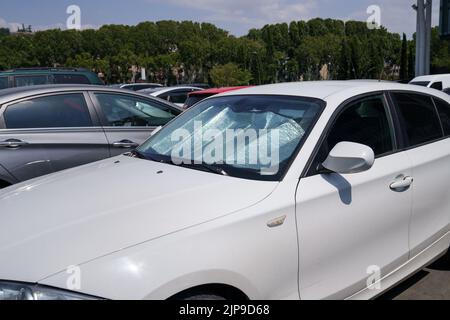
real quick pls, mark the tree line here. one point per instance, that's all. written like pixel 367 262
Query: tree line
pixel 188 52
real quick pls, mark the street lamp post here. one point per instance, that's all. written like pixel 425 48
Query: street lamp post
pixel 423 36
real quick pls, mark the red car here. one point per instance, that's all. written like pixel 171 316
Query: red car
pixel 198 96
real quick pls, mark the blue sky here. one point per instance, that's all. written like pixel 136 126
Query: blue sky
pixel 236 16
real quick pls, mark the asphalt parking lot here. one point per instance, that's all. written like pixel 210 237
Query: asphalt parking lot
pixel 432 283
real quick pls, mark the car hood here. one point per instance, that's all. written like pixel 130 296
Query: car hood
pixel 75 216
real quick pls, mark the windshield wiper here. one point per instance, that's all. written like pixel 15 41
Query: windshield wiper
pixel 135 154
pixel 141 155
pixel 211 168
pixel 204 166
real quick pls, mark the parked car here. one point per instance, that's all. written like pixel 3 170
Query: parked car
pixel 177 95
pixel 137 86
pixel 44 129
pixel 40 76
pixel 197 85
pixel 438 81
pixel 197 96
pixel 360 201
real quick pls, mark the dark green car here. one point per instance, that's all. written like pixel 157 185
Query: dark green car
pixel 40 76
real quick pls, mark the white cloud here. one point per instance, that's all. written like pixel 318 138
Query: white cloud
pixel 12 26
pixel 398 15
pixel 250 12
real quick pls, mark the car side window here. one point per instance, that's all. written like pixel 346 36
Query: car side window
pixel 437 85
pixel 419 118
pixel 24 81
pixel 58 111
pixel 164 96
pixel 70 79
pixel 3 83
pixel 444 113
pixel 179 97
pixel 127 111
pixel 364 121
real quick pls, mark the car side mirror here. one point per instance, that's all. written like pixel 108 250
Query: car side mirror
pixel 156 131
pixel 349 157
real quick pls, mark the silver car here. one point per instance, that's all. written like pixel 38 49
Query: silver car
pixel 45 129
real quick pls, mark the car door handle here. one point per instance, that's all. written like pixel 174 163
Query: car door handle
pixel 125 144
pixel 13 143
pixel 402 183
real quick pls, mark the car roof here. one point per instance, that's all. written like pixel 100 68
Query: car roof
pixel 217 90
pixel 151 90
pixel 7 95
pixel 159 91
pixel 140 85
pixel 26 71
pixel 431 78
pixel 326 90
pixel 197 85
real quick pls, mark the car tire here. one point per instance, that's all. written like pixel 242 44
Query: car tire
pixel 4 184
pixel 204 297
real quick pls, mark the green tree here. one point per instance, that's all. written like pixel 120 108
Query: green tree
pixel 440 53
pixel 4 32
pixel 411 62
pixel 229 75
pixel 185 52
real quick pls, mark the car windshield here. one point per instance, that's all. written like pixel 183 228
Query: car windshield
pixel 420 83
pixel 251 137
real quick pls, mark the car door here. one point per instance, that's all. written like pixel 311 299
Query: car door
pixel 129 120
pixel 428 149
pixel 354 224
pixel 48 133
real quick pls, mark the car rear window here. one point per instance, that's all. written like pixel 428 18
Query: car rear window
pixel 437 85
pixel 70 79
pixel 179 97
pixel 420 83
pixel 58 111
pixel 195 99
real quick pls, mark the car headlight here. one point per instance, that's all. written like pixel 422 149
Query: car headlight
pixel 24 291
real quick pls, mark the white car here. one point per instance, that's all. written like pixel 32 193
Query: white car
pixel 355 198
pixel 439 82
pixel 177 95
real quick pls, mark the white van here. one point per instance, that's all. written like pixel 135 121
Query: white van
pixel 438 81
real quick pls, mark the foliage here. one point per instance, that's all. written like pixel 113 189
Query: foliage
pixel 188 52
pixel 440 53
pixel 4 32
pixel 229 75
